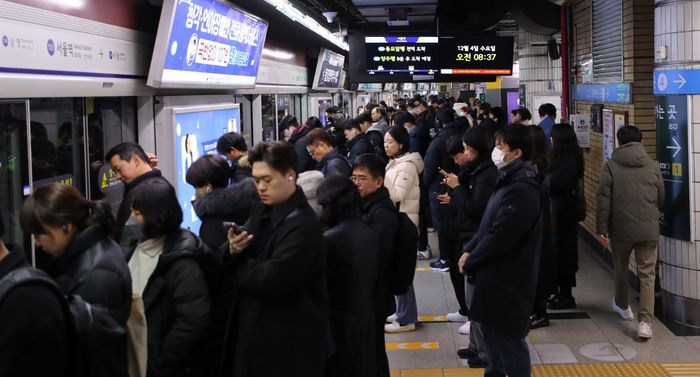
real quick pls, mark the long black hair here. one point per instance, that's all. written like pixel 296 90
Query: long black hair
pixel 565 145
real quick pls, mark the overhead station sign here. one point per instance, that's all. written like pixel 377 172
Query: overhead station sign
pixel 426 55
pixel 676 81
pixel 402 54
pixel 206 43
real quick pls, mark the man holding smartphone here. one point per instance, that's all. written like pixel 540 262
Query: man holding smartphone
pixel 277 268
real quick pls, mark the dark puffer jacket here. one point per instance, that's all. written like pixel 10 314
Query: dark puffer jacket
pixel 357 146
pixel 477 182
pixel 504 254
pixel 132 231
pixel 93 268
pixel 334 163
pixel 232 203
pixel 177 304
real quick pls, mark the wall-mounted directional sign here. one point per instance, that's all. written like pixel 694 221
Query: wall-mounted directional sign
pixel 672 154
pixel 676 81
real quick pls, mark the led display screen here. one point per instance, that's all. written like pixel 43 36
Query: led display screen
pixel 206 43
pixel 476 55
pixel 402 54
pixel 328 70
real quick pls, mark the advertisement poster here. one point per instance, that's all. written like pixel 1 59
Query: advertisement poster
pixel 672 154
pixel 583 130
pixel 323 105
pixel 328 70
pixel 197 131
pixel 211 43
pixel 608 135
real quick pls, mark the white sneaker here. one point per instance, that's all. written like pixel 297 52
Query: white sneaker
pixel 396 327
pixel 624 313
pixel 392 318
pixel 465 328
pixel 456 317
pixel 644 330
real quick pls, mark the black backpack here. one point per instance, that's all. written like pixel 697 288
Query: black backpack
pixel 89 327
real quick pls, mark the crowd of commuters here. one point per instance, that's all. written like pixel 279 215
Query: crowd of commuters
pixel 293 271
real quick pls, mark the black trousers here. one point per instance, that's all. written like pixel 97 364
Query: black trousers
pixel 455 276
pixel 423 218
pixel 566 250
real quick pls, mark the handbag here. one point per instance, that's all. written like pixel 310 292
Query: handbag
pixel 137 331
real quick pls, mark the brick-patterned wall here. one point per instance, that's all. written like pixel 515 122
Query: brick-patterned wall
pixel 638 47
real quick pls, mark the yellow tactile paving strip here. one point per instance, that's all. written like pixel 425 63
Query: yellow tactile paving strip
pixel 572 370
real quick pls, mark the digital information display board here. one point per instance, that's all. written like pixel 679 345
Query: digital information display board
pixel 477 55
pixel 205 43
pixel 403 54
pixel 197 129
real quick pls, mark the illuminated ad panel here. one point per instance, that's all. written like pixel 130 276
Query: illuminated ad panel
pixel 402 54
pixel 205 43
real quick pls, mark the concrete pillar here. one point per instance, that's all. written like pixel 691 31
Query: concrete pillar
pixel 677 46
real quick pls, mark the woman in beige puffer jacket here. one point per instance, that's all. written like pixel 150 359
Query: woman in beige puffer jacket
pixel 401 179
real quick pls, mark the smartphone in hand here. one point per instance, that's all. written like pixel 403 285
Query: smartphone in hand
pixel 237 229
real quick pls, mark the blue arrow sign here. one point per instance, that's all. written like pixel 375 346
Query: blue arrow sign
pixel 676 81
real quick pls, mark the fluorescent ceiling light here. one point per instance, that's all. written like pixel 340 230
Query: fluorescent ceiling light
pixel 277 54
pixel 75 4
pixel 295 14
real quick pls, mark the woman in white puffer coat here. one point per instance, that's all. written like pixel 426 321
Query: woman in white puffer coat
pixel 402 181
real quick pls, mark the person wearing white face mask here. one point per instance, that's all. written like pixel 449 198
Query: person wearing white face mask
pixel 503 256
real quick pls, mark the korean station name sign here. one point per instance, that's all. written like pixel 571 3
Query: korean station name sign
pixel 472 55
pixel 206 43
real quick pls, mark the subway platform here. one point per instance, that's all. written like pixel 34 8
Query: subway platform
pixel 590 340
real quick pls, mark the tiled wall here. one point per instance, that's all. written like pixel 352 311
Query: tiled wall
pixel 536 69
pixel 638 51
pixel 677 27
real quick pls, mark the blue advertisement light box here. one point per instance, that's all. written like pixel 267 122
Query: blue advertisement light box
pixel 206 43
pixel 197 129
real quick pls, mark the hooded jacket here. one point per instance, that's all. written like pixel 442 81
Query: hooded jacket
pixel 375 134
pixel 630 194
pixel 224 204
pixel 504 255
pixel 177 305
pixel 402 181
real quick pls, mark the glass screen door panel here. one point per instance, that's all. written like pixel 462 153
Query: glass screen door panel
pixel 14 168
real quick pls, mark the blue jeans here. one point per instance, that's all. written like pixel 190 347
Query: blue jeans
pixel 507 354
pixel 406 307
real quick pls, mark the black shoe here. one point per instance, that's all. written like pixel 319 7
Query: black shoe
pixel 561 303
pixel 476 362
pixel 552 298
pixel 537 321
pixel 466 353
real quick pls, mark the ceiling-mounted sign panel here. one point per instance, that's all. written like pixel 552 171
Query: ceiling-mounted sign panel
pixel 206 43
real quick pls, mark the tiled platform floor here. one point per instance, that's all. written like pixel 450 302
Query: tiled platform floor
pixel 569 347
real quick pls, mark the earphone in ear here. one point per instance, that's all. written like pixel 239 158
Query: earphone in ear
pixel 289 178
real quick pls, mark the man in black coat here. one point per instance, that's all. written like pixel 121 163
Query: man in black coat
pixel 374 133
pixel 33 323
pixel 278 268
pixel 329 160
pixel 504 257
pixel 358 143
pixel 233 146
pixel 132 166
pixel 379 213
pixel 295 134
pixel 438 158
